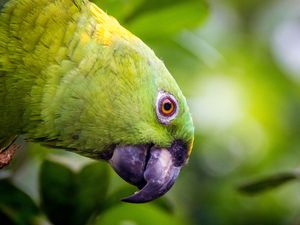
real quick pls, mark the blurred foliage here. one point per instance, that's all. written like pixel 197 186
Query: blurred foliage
pixel 73 198
pixel 238 63
pixel 156 19
pixel 16 207
pixel 270 182
pixel 77 198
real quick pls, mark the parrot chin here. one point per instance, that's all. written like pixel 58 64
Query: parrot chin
pixel 152 169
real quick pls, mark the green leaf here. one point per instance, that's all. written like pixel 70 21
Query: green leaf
pixel 58 191
pixel 70 198
pixel 268 183
pixel 16 207
pixel 168 19
pixel 93 182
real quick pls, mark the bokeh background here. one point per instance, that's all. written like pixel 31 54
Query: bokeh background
pixel 238 63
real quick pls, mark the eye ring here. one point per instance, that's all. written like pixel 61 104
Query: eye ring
pixel 166 107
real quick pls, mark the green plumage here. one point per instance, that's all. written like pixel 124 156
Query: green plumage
pixel 72 77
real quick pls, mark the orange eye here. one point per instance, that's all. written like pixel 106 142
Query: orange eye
pixel 167 107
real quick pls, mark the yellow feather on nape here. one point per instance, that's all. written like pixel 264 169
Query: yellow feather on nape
pixel 108 27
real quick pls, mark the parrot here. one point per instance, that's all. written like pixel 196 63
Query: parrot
pixel 72 77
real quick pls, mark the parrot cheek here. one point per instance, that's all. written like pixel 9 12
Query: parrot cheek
pixel 152 169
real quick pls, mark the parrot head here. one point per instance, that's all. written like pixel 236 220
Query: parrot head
pixel 132 112
pixel 150 124
pixel 102 93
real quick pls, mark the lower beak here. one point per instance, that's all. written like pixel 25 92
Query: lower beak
pixel 153 170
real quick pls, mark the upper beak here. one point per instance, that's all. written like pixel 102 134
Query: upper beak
pixel 151 169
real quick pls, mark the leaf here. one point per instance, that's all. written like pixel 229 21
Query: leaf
pixel 70 198
pixel 57 189
pixel 16 207
pixel 268 183
pixel 93 182
pixel 168 20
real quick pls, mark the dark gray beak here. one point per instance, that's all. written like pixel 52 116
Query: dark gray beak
pixel 153 170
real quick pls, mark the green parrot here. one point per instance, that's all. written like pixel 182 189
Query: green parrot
pixel 72 77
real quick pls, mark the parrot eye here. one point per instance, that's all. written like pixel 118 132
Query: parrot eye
pixel 166 107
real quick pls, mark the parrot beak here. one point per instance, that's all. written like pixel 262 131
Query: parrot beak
pixel 153 170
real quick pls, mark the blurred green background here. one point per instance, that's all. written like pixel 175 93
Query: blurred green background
pixel 238 63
